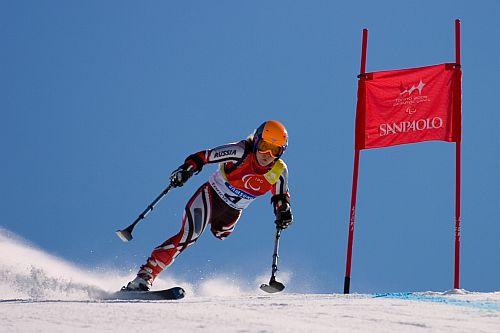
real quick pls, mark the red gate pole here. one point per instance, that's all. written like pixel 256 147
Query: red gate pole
pixel 355 172
pixel 458 154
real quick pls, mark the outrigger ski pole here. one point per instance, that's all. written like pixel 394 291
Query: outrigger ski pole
pixel 274 286
pixel 126 234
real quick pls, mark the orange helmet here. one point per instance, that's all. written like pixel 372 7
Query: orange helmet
pixel 271 136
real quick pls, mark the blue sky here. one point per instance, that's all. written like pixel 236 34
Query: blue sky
pixel 101 100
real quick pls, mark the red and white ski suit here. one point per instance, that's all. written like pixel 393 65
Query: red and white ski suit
pixel 219 202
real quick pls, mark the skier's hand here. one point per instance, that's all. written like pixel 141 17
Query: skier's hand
pixel 181 175
pixel 283 216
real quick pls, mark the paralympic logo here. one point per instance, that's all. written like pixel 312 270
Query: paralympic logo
pixel 409 90
pixel 247 179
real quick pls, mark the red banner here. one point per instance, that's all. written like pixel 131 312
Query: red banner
pixel 410 105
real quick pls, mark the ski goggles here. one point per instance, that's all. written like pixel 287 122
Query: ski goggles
pixel 265 147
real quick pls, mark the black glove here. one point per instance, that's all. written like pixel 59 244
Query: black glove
pixel 181 175
pixel 283 216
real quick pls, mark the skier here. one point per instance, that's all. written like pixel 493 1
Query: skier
pixel 247 169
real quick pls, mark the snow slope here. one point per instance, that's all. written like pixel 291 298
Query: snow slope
pixel 42 293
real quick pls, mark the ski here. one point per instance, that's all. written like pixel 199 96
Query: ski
pixel 174 293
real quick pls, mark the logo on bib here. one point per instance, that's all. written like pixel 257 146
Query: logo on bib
pixel 252 183
pixel 239 192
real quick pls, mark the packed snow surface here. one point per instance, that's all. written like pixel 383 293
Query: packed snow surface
pixel 42 293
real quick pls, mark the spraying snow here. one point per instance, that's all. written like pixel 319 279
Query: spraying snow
pixel 42 293
pixel 27 272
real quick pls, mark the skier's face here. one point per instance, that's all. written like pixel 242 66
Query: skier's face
pixel 264 159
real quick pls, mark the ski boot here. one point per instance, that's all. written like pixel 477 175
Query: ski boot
pixel 142 282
